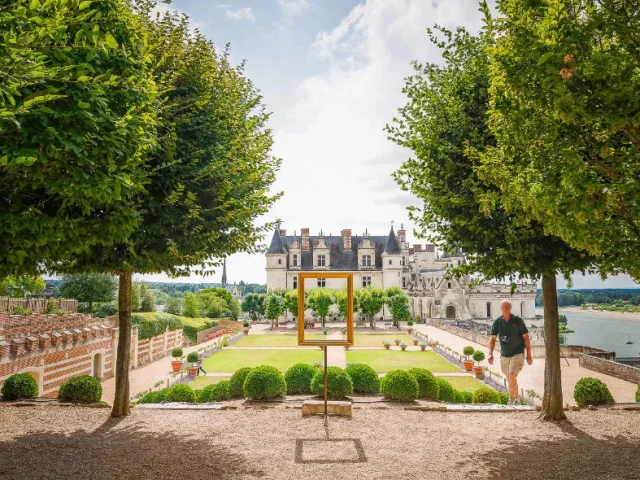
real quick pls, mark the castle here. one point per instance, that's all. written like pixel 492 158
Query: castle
pixel 387 260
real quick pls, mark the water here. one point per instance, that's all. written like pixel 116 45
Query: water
pixel 602 331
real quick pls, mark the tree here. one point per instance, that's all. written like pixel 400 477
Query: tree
pixel 208 179
pixel 290 302
pixel 445 124
pixel 370 302
pixel 252 304
pixel 76 118
pixel 225 305
pixel 147 298
pixel 192 307
pixel 273 307
pixel 89 287
pixel 173 306
pixel 21 285
pixel 564 89
pixel 398 303
pixel 320 301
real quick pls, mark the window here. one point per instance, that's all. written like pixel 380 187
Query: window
pixel 322 260
pixel 366 281
pixel 390 262
pixel 322 282
pixel 295 260
pixel 449 285
pixel 488 309
pixel 295 282
pixel 279 261
pixel 366 260
pixel 404 282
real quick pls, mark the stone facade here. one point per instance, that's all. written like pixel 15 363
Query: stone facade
pixel 388 260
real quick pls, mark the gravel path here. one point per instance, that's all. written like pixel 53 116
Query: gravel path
pixel 50 442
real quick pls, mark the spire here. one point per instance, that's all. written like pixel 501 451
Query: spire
pixel 276 243
pixel 224 273
pixel 392 246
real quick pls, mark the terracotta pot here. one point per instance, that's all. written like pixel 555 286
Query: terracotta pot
pixel 397 343
pixel 176 365
pixel 387 347
pixel 410 330
pixel 193 371
pixel 246 331
pixel 423 348
pixel 403 348
pixel 468 365
pixel 415 343
pixel 346 347
pixel 479 371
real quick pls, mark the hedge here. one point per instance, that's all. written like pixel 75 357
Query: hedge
pixel 591 391
pixel 445 391
pixel 467 397
pixel 298 378
pixel 163 395
pixel 151 397
pixel 365 379
pixel 82 389
pixel 638 394
pixel 263 383
pixel 486 395
pixel 190 330
pixel 428 386
pixel 339 383
pixel 399 385
pixel 181 393
pixel 236 382
pixel 504 398
pixel 216 392
pixel 19 385
pixel 153 324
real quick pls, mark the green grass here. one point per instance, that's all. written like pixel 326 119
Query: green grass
pixel 464 384
pixel 375 340
pixel 228 361
pixel 274 340
pixel 384 360
pixel 196 322
pixel 201 382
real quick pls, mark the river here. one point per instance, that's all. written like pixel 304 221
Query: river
pixel 602 331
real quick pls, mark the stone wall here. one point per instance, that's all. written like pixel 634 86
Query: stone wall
pixel 609 367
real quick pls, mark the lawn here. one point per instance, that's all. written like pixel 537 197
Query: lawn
pixel 375 339
pixel 384 360
pixel 273 340
pixel 228 361
pixel 464 384
pixel 202 381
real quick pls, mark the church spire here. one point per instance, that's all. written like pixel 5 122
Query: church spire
pixel 224 273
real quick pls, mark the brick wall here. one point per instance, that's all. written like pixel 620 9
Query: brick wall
pixel 152 349
pixel 609 367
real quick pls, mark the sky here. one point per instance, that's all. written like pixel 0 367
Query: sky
pixel 331 72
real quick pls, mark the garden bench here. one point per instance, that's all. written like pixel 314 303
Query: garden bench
pixel 361 323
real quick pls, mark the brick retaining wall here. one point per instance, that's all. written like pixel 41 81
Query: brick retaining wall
pixel 609 367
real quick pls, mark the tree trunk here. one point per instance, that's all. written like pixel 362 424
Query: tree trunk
pixel 552 408
pixel 121 400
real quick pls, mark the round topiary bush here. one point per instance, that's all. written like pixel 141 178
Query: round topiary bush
pixel 503 398
pixel 193 357
pixel 468 351
pixel 198 394
pixel 445 391
pixel 151 397
pixel 478 356
pixel 364 378
pixel 298 378
pixel 467 397
pixel 82 389
pixel 236 382
pixel 486 395
pixel 177 353
pixel 263 383
pixel 181 393
pixel 399 385
pixel 638 394
pixel 339 383
pixel 217 392
pixel 428 387
pixel 591 391
pixel 19 385
pixel 458 396
pixel 162 395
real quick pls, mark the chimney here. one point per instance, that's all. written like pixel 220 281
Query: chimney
pixel 346 238
pixel 304 232
pixel 283 232
pixel 417 247
pixel 402 234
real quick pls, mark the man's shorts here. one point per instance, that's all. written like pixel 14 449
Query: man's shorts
pixel 512 364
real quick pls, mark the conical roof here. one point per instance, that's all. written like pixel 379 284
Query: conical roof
pixel 276 243
pixel 392 246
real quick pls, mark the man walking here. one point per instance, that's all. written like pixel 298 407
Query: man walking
pixel 514 339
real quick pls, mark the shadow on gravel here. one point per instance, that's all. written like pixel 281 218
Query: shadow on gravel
pixel 579 457
pixel 114 452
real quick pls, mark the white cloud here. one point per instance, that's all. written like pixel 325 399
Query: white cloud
pixel 294 8
pixel 244 13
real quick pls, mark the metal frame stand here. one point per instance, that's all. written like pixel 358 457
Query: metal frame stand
pixel 326 415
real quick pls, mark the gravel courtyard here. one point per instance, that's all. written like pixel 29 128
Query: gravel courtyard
pixel 275 442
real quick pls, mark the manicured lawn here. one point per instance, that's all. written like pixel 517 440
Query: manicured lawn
pixel 375 340
pixel 197 322
pixel 228 361
pixel 464 384
pixel 384 360
pixel 201 382
pixel 274 340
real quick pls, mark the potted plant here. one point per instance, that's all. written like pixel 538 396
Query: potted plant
pixel 343 330
pixel 246 326
pixel 403 346
pixel 397 342
pixel 410 325
pixel 467 352
pixel 423 346
pixel 176 363
pixel 387 345
pixel 346 347
pixel 193 358
pixel 415 342
pixel 325 330
pixel 478 356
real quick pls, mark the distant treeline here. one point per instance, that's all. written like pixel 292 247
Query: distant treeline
pixel 180 289
pixel 567 298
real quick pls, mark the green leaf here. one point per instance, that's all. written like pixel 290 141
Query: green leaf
pixel 111 41
pixel 84 105
pixel 84 5
pixel 34 4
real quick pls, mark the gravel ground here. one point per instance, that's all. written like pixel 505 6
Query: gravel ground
pixel 275 442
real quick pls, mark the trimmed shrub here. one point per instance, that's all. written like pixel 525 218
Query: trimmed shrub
pixel 181 393
pixel 339 383
pixel 163 395
pixel 399 385
pixel 103 310
pixel 264 382
pixel 428 387
pixel 153 324
pixel 198 394
pixel 638 394
pixel 591 391
pixel 193 357
pixel 19 385
pixel 364 378
pixel 217 392
pixel 298 378
pixel 478 356
pixel 467 397
pixel 503 398
pixel 82 389
pixel 151 397
pixel 486 395
pixel 445 391
pixel 468 351
pixel 458 396
pixel 177 353
pixel 236 382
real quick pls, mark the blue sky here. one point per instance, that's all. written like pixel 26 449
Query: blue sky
pixel 331 72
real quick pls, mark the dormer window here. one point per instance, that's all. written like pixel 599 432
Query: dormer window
pixel 390 262
pixel 295 260
pixel 322 260
pixel 449 285
pixel 366 260
pixel 279 261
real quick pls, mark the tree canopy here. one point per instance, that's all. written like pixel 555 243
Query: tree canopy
pixel 89 287
pixel 21 285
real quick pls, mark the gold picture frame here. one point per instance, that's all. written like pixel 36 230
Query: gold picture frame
pixel 301 308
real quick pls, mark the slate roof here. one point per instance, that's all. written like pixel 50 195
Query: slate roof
pixel 276 243
pixel 392 246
